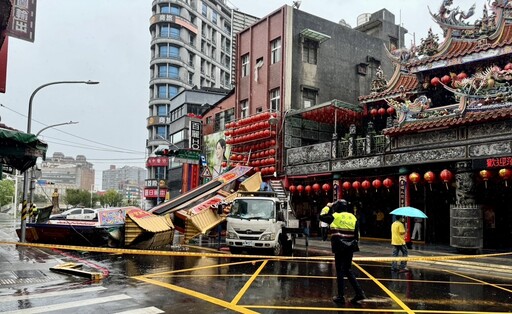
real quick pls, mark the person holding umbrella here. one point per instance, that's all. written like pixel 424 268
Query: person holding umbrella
pixel 398 243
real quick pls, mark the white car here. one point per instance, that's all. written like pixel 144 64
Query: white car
pixel 77 214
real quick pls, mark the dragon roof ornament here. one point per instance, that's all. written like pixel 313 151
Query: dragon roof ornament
pixel 379 83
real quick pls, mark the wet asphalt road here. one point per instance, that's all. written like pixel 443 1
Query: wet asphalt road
pixel 184 284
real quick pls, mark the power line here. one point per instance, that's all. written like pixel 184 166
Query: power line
pixel 118 149
pixel 64 142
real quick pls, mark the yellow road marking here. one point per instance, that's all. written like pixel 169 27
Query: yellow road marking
pixel 242 291
pixel 196 294
pixel 478 280
pixel 172 272
pixel 325 309
pixel 388 292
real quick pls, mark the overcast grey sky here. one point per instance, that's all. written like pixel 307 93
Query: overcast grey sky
pixel 108 41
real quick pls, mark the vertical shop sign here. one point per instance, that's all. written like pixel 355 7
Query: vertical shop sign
pixel 195 134
pixel 23 20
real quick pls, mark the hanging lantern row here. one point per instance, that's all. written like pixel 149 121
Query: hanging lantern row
pixel 445 175
pixel 366 184
pixel 261 117
pixel 234 140
pixel 255 147
pixel 308 188
pixel 504 174
pixel 374 112
pixel 452 79
pixel 328 114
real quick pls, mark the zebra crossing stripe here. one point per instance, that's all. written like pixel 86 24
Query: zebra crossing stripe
pixel 68 305
pixel 145 310
pixel 10 298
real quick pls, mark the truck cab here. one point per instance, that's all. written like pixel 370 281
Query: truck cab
pixel 260 221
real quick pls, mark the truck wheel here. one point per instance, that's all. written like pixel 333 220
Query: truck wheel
pixel 278 249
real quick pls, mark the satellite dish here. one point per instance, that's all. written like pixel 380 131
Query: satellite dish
pixel 296 4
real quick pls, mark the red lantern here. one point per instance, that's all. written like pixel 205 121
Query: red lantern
pixel 292 189
pixel 316 187
pixel 388 183
pixel 356 185
pixel 381 112
pixel 376 184
pixel 414 178
pixel 446 176
pixel 300 188
pixel 390 111
pixel 486 175
pixel 429 176
pixel 461 76
pixel 326 187
pixel 366 185
pixel 308 188
pixel 346 185
pixel 446 79
pixel 374 112
pixel 435 81
pixel 505 174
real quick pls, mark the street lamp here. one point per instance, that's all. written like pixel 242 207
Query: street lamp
pixel 29 129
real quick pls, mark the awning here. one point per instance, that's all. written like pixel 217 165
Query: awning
pixel 330 112
pixel 314 35
pixel 20 150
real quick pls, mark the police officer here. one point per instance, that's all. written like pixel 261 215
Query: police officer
pixel 344 241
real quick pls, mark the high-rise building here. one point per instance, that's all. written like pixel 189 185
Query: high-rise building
pixel 191 46
pixel 116 179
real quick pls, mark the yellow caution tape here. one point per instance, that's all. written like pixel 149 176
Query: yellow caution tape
pixel 227 255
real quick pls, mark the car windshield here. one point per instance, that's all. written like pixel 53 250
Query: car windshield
pixel 253 209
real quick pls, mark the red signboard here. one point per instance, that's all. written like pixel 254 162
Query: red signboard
pixel 493 162
pixel 23 20
pixel 153 193
pixel 157 162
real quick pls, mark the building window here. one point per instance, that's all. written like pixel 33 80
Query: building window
pixel 230 115
pixel 214 17
pixel 162 110
pixel 276 50
pixel 309 51
pixel 309 97
pixel 164 31
pixel 161 131
pixel 244 108
pixel 175 10
pixel 167 91
pixel 220 121
pixel 177 137
pixel 205 9
pixel 173 91
pixel 165 9
pixel 208 120
pixel 174 52
pixel 275 99
pixel 245 65
pixel 175 32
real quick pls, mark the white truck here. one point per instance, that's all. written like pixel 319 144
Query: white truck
pixel 261 221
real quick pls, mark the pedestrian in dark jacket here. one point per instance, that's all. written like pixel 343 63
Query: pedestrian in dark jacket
pixel 344 242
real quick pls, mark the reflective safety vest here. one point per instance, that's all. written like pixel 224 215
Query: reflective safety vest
pixel 344 223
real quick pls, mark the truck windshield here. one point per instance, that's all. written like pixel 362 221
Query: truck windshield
pixel 253 209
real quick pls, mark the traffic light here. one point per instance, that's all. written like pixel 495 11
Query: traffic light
pixel 165 152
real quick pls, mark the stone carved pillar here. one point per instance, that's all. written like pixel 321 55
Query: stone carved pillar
pixel 352 141
pixel 370 138
pixel 334 146
pixel 466 221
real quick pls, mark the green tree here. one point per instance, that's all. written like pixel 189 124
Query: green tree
pixel 6 192
pixel 111 198
pixel 76 197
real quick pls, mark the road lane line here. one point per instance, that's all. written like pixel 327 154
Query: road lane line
pixel 172 272
pixel 10 298
pixel 68 305
pixel 145 310
pixel 477 280
pixel 242 291
pixel 388 292
pixel 195 294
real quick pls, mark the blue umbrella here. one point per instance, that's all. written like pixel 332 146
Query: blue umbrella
pixel 409 212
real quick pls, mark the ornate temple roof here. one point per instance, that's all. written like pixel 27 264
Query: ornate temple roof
pixel 470 117
pixel 399 84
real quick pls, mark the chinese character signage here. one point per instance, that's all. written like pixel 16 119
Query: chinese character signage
pixel 195 134
pixel 157 162
pixel 493 162
pixel 23 20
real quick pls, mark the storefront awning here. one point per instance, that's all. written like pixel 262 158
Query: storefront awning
pixel 331 112
pixel 20 150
